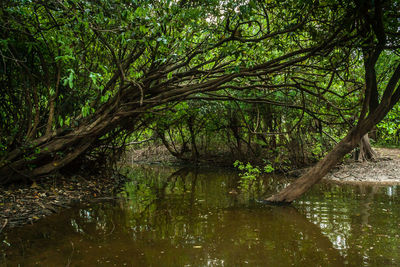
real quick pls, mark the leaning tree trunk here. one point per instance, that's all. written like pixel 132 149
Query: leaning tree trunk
pixel 316 173
pixel 348 143
pixel 55 151
pixel 377 112
pixel 352 139
pixel 50 153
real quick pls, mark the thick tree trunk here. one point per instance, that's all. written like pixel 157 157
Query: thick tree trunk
pixel 366 151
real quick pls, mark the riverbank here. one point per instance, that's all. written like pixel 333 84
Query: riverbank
pixel 384 170
pixel 26 203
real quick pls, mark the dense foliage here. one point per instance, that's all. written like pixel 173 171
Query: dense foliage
pixel 268 78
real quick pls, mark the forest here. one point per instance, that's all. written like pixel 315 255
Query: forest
pixel 199 133
pixel 287 83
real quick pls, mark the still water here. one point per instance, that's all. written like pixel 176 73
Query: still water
pixel 189 217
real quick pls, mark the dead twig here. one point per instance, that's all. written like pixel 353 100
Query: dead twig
pixel 4 225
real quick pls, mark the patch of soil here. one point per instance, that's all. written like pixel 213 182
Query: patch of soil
pixel 149 154
pixel 26 203
pixel 384 170
pixel 158 154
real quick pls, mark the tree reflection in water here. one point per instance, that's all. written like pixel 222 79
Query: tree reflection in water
pixel 187 217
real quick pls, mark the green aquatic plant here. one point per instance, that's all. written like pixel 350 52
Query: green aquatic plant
pixel 249 173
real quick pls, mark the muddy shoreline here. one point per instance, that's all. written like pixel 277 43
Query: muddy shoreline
pixel 385 170
pixel 25 203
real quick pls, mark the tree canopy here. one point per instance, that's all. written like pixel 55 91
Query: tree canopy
pixel 77 76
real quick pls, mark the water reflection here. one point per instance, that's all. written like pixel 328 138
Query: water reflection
pixel 187 217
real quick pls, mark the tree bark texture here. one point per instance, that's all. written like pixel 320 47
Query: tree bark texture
pixel 366 151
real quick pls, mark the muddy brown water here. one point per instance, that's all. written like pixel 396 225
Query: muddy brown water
pixel 188 217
